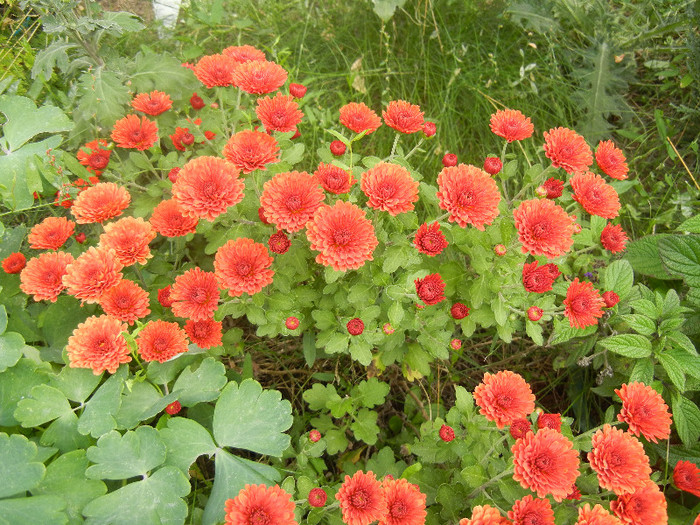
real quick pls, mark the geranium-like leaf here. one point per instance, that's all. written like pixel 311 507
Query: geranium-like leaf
pixel 76 383
pixel 98 417
pixel 18 470
pixel 25 121
pixel 201 384
pixel 47 510
pixel 185 441
pixel 44 404
pixel 120 457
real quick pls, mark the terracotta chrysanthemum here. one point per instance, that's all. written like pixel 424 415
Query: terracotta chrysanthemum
pixel 153 103
pixel 343 235
pixel 334 179
pixel 539 279
pixel 99 344
pixel 611 160
pixel 686 476
pixel 100 203
pixel 485 515
pixel 125 301
pixel 504 397
pixel 553 187
pixel 205 333
pixel 619 460
pixel 279 113
pixel 568 150
pixel 430 289
pixel 260 505
pixel 644 410
pixel 169 220
pixel 42 277
pixel 129 238
pixel 358 117
pixel 51 233
pixel 279 242
pixel 215 70
pixel 596 516
pixel 290 199
pixel 390 188
pixel 14 263
pixel 259 76
pixel 429 239
pixel 135 133
pixel 469 194
pixel 520 428
pixel 595 195
pixel 583 305
pixel 94 157
pixel 645 506
pixel 161 340
pixel 362 499
pixel 243 266
pixel 243 54
pixel 195 295
pixel 182 138
pixel 613 238
pixel 552 421
pixel 251 150
pixel 511 124
pixel 544 228
pixel 405 503
pixel 403 116
pixel 94 272
pixel 532 511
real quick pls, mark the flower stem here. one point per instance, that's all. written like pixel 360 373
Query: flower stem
pixel 393 146
pixel 490 482
pixel 414 149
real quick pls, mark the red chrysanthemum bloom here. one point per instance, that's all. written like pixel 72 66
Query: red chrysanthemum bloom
pixel 644 410
pixel 611 160
pixel 100 202
pixel 260 505
pixel 511 124
pixel 539 279
pixel 389 187
pixel 552 421
pixel 317 496
pixel 534 313
pixel 459 311
pixel 205 333
pixel 405 503
pixel 492 165
pixel 532 511
pixel 469 194
pixel 430 240
pixel 429 128
pixel 403 116
pixel 619 460
pixel 14 263
pixel 567 149
pixel 484 515
pixel 610 299
pixel 575 494
pixel 595 516
pixel 251 150
pixel 430 289
pixel 243 266
pixel 215 70
pixel 504 397
pixel 290 199
pixel 362 499
pixel 243 54
pixel 169 220
pixel 595 195
pixel 279 113
pixel 334 179
pixel 92 274
pixel 42 276
pixel 583 305
pixel 182 138
pixel 355 326
pixel 129 238
pixel 125 301
pixel 520 428
pixel 446 433
pixel 51 233
pixel 94 157
pixel 153 103
pixel 196 101
pixel 279 242
pixel 292 323
pixel 449 160
pixel 259 76
pixel 544 228
pixel 132 132
pixel 160 341
pixel 195 295
pixel 99 344
pixel 686 476
pixel 613 238
pixel 164 297
pixel 297 90
pixel 553 187
pixel 337 148
pixel 645 506
pixel 358 117
pixel 314 436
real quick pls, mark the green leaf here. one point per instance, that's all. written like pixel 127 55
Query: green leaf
pixel 385 8
pixel 337 344
pixel 53 56
pixel 686 417
pixel 394 258
pixel 186 440
pixel 99 414
pixel 534 330
pixel 371 392
pixel 464 401
pixel 201 384
pixel 361 351
pixel 76 383
pixel 47 510
pixel 11 345
pixel 628 345
pixel 18 470
pixel 619 277
pixel 688 364
pixel 643 255
pixel 44 404
pixel 563 332
pixel 639 323
pixel 319 395
pixel 63 434
pixel 673 369
pixel 15 382
pixel 533 16
pixel 646 307
pixel 139 403
pixel 680 255
pixel 121 22
pixel 103 96
pixel 120 457
pixel 643 371
pixel 3 319
pixel 691 225
pixel 396 313
pixel 474 476
pixel 365 426
pixel 25 121
pixel 336 441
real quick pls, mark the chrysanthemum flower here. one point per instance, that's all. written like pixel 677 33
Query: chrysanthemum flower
pixel 430 289
pixel 343 235
pixel 531 511
pixel 595 195
pixel 403 116
pixel 568 150
pixel 92 274
pixel 129 238
pixel 205 333
pixel 583 305
pixel 251 150
pixel 99 344
pixel 259 76
pixel 279 113
pixel 215 70
pixel 125 301
pixel 260 505
pixel 613 238
pixel 611 160
pixel 358 117
pixel 14 263
pixel 132 132
pixel 405 503
pixel 169 220
pixel 539 279
pixel 520 428
pixel 182 138
pixel 153 103
pixel 596 516
pixel 459 311
pixel 390 188
pixel 100 202
pixel 544 228
pixel 553 187
pixel 504 397
pixel 243 266
pixel 290 199
pixel 469 194
pixel 195 295
pixel 42 277
pixel 686 476
pixel 164 297
pixel 334 179
pixel 429 239
pixel 485 515
pixel 160 341
pixel 619 460
pixel 511 124
pixel 644 410
pixel 362 499
pixel 552 421
pixel 51 233
pixel 279 242
pixel 94 157
pixel 645 506
pixel 243 54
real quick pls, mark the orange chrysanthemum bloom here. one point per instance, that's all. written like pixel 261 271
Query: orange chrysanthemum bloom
pixel 169 221
pixel 290 199
pixel 205 333
pixel 686 476
pixel 334 179
pixel 532 511
pixel 390 188
pixel 358 117
pixel 645 506
pixel 132 132
pixel 403 116
pixel 583 305
pixel 511 124
pixel 611 160
pixel 545 463
pixel 613 238
pixel 405 503
pixel 243 53
pixel 567 149
pixel 99 344
pixel 504 397
pixel 42 277
pixel 92 274
pixel 343 235
pixel 485 515
pixel 362 499
pixel 129 238
pixel 215 70
pixel 251 150
pixel 95 159
pixel 279 113
pixel 243 266
pixel 596 516
pixel 125 301
pixel 51 233
pixel 644 410
pixel 14 263
pixel 153 103
pixel 160 341
pixel 259 76
pixel 260 505
pixel 100 203
pixel 429 239
pixel 544 228
pixel 195 295
pixel 469 194
pixel 206 187
pixel 595 195
pixel 619 460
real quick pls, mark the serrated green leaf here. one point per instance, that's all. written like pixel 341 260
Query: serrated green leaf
pixel 643 371
pixel 361 351
pixel 464 401
pixel 365 426
pixel 474 476
pixel 691 225
pixel 563 332
pixel 103 96
pixel 47 510
pixel 98 417
pixel 336 441
pixel 680 255
pixel 319 395
pixel 371 392
pixel 44 404
pixel 533 16
pixel 646 307
pixel 201 384
pixel 185 441
pixel 639 323
pixel 15 382
pixel 55 55
pixel 25 121
pixel 121 457
pixel 680 340
pixel 534 330
pixel 619 277
pixel 686 417
pixel 18 468
pixel 643 255
pixel 76 383
pixel 338 343
pixel 628 345
pixel 688 364
pixel 673 369
pixel 3 320
pixel 140 401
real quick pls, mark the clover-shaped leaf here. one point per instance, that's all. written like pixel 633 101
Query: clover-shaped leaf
pixel 120 457
pixel 186 440
pixel 44 404
pixel 18 470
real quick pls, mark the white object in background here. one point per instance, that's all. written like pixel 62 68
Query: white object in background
pixel 166 11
